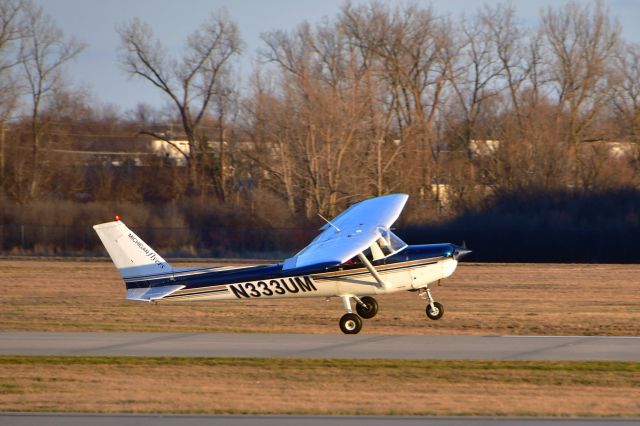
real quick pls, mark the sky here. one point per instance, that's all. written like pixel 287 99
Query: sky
pixel 94 23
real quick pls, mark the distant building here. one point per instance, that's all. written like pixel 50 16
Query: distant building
pixel 174 150
pixel 613 149
pixel 171 150
pixel 442 191
pixel 483 147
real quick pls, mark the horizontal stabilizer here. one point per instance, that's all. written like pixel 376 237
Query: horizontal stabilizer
pixel 154 293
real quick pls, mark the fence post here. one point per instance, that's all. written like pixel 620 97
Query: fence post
pixel 22 236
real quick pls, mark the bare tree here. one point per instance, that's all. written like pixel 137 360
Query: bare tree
pixel 626 94
pixel 43 52
pixel 321 75
pixel 479 68
pixel 516 51
pixel 191 82
pixel 225 107
pixel 624 111
pixel 9 93
pixel 582 43
pixel 407 50
pixel 265 115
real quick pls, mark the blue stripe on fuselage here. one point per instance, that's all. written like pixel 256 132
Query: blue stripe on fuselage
pixel 267 272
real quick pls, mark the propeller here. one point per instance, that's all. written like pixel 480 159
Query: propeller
pixel 461 250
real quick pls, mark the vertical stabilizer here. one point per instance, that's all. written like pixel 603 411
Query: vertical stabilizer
pixel 132 256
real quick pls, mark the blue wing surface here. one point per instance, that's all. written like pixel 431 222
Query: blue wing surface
pixel 360 226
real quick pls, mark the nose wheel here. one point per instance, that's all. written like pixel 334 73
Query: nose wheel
pixel 435 310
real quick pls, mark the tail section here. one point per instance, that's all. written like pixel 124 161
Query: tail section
pixel 147 275
pixel 132 256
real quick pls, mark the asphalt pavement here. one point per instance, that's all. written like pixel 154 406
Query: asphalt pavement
pixel 574 348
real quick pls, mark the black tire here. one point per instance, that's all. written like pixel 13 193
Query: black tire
pixel 350 324
pixel 436 313
pixel 370 310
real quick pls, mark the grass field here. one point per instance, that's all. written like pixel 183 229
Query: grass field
pixel 546 299
pixel 272 386
pixel 479 299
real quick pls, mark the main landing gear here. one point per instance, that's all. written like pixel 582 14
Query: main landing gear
pixel 366 307
pixel 434 309
pixel 350 323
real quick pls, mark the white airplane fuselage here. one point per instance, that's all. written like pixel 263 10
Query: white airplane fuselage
pixel 414 268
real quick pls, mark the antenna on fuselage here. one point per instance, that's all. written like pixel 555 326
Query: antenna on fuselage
pixel 326 220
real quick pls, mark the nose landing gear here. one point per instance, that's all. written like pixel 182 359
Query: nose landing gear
pixel 434 309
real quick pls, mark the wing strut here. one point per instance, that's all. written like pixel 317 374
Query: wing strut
pixel 371 269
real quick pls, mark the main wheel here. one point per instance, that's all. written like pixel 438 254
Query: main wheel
pixel 370 310
pixel 350 324
pixel 435 312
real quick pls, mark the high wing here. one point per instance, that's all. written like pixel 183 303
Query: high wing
pixel 364 225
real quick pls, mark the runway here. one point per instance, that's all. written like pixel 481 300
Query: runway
pixel 28 419
pixel 570 348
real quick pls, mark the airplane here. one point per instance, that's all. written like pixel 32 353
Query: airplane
pixel 355 257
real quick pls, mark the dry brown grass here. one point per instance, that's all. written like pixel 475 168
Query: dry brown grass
pixel 180 385
pixel 544 299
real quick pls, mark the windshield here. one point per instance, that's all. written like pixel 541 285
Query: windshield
pixel 389 242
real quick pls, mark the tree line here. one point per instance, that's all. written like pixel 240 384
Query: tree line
pixel 458 112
